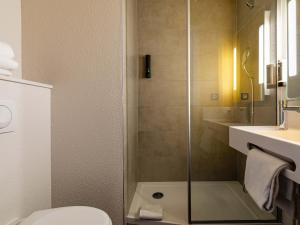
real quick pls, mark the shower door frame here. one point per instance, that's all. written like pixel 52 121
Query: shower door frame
pixel 189 147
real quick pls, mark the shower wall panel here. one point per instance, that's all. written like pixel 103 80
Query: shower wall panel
pixel 132 83
pixel 162 99
pixel 212 32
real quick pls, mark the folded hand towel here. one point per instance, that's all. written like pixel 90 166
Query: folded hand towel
pixel 261 178
pixel 151 212
pixel 6 50
pixel 5 72
pixel 8 64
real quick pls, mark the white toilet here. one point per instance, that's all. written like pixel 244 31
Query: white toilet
pixel 77 215
pixel 25 175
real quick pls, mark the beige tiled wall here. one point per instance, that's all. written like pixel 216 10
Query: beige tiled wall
pixel 162 99
pixel 212 30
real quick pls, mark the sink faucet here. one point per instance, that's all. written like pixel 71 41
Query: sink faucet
pixel 283 108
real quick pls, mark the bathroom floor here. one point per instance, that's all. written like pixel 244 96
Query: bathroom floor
pixel 210 201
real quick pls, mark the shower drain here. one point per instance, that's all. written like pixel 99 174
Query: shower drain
pixel 158 195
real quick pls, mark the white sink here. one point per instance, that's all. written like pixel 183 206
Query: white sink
pixel 292 135
pixel 282 143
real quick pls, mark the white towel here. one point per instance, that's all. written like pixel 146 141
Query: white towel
pixel 6 50
pixel 8 64
pixel 151 212
pixel 5 72
pixel 261 178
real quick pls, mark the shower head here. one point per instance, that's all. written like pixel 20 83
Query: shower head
pixel 246 55
pixel 250 4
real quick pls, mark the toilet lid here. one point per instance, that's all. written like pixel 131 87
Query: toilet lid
pixel 76 215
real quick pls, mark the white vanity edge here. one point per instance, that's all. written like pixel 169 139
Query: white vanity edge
pixel 26 82
pixel 239 137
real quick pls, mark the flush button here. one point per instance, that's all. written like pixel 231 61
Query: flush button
pixel 5 116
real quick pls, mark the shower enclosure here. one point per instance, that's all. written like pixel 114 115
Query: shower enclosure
pixel 194 68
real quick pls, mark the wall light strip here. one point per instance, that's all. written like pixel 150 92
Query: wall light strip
pixel 292 38
pixel 267 47
pixel 234 69
pixel 261 55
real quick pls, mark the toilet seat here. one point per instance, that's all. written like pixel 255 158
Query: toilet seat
pixel 77 215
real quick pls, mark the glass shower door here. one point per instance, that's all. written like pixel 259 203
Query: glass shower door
pixel 227 36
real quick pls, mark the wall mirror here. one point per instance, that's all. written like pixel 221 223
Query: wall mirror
pixel 293 50
pixel 256 41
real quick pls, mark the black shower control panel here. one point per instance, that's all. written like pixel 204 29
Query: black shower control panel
pixel 148 66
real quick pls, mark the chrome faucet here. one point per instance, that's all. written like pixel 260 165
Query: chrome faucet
pixel 283 108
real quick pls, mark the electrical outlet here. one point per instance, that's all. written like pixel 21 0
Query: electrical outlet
pixel 214 97
pixel 244 96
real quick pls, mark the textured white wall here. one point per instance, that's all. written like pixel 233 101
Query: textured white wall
pixel 10 27
pixel 76 46
pixel 25 155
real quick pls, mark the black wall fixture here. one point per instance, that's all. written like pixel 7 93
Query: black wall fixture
pixel 148 66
